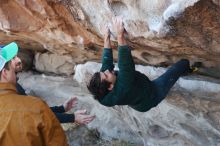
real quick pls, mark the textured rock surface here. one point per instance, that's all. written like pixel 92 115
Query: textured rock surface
pixel 188 116
pixel 59 64
pixel 161 31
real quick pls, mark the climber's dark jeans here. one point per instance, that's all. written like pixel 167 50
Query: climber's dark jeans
pixel 165 82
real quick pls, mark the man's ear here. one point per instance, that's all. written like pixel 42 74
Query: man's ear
pixel 4 74
pixel 110 87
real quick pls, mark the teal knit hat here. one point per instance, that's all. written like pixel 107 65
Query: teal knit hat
pixel 7 53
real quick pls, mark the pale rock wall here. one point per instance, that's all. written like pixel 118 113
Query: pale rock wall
pixel 54 63
pixel 142 18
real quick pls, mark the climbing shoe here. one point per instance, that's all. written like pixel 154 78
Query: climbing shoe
pixel 195 67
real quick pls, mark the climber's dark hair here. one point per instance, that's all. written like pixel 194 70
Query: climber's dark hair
pixel 97 87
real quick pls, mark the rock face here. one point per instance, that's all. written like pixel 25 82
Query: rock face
pixel 160 31
pixel 54 63
pixel 188 116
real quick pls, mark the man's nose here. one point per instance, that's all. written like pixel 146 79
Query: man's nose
pixel 107 71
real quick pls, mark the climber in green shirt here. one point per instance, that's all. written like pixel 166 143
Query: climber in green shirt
pixel 128 86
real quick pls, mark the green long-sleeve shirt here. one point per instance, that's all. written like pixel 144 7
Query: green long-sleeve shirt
pixel 131 87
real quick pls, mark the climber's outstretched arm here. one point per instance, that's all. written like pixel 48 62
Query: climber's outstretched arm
pixel 107 56
pixel 125 61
